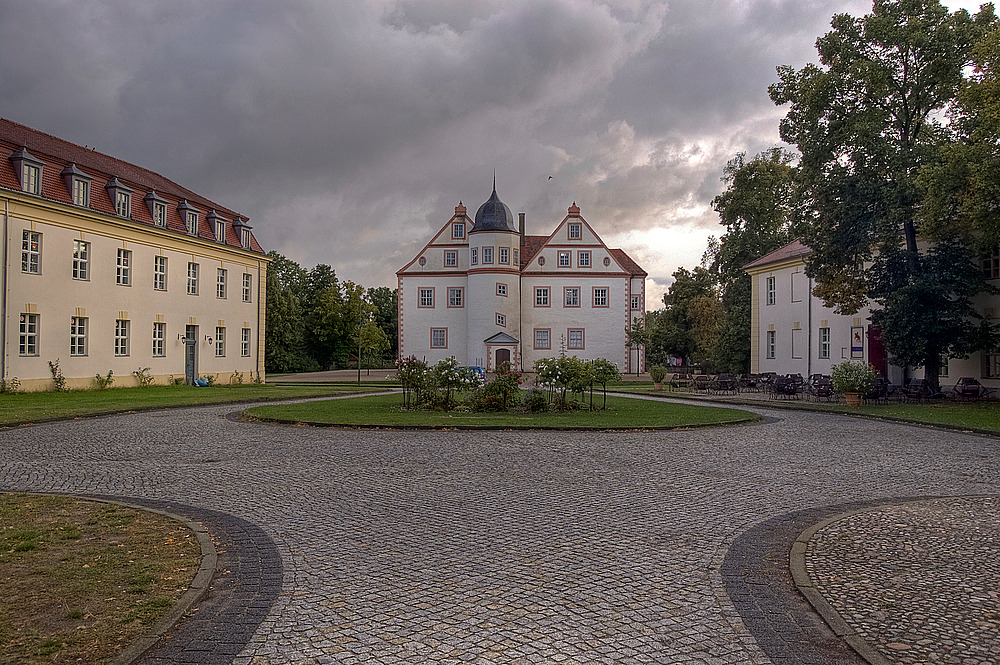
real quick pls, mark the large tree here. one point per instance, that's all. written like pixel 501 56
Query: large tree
pixel 756 211
pixel 866 121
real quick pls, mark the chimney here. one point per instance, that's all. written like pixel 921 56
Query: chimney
pixel 520 222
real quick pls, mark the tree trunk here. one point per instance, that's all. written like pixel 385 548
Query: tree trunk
pixel 932 367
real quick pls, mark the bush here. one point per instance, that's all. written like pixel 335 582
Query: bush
pixel 657 373
pixel 849 377
pixel 11 386
pixel 57 376
pixel 535 401
pixel 104 381
pixel 143 376
pixel 500 394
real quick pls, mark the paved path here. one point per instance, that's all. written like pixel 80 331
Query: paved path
pixel 512 547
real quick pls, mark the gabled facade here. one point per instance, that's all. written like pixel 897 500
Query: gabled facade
pixel 791 331
pixel 109 266
pixel 483 292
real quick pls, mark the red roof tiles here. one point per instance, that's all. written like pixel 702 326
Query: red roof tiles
pixel 792 250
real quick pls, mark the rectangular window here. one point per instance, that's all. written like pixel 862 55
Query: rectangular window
pixel 572 296
pixel 78 336
pixel 474 256
pixel 245 238
pixel 458 230
pixel 220 342
pixel 191 223
pixel 770 344
pixel 564 260
pixel 583 259
pixel 824 342
pixel 160 214
pixel 771 295
pixel 439 338
pixel 635 302
pixel 504 256
pixel 81 192
pixel 574 338
pixel 220 230
pixel 600 296
pixel 541 296
pixel 121 337
pixel 456 296
pixel 245 343
pixel 159 339
pixel 501 320
pixel 543 338
pixel 31 178
pixel 991 361
pixel 487 255
pixel 29 335
pixel 991 265
pixel 247 286
pixel 31 252
pixel 123 271
pixel 450 258
pixel 501 289
pixel 575 231
pixel 160 273
pixel 515 261
pixel 192 283
pixel 81 259
pixel 425 298
pixel 943 367
pixel 123 204
pixel 220 283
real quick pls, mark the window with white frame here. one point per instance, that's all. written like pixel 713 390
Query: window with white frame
pixel 991 363
pixel 456 296
pixel 425 297
pixel 503 256
pixel 220 230
pixel 501 289
pixel 583 259
pixel 943 367
pixel 81 192
pixel 991 264
pixel 159 214
pixel 31 178
pixel 600 296
pixel 516 260
pixel 635 302
pixel 458 230
pixel 123 268
pixel 121 337
pixel 770 290
pixel 31 252
pixel 450 258
pixel 439 338
pixel 487 255
pixel 81 260
pixel 771 344
pixel 543 338
pixel 192 280
pixel 501 320
pixel 541 296
pixel 191 222
pixel 220 342
pixel 245 343
pixel 159 339
pixel 160 273
pixel 245 238
pixel 565 260
pixel 574 338
pixel 575 231
pixel 123 204
pixel 29 335
pixel 572 296
pixel 474 256
pixel 78 336
pixel 220 283
pixel 824 342
pixel 247 287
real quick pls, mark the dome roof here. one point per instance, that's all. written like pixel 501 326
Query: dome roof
pixel 494 215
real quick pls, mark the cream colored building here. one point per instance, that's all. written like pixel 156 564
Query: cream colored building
pixel 110 267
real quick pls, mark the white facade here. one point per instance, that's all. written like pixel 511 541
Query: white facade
pixel 521 297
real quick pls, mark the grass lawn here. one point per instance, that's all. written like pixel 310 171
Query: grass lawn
pixel 81 580
pixel 35 407
pixel 386 411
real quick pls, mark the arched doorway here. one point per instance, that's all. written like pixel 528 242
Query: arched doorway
pixel 503 356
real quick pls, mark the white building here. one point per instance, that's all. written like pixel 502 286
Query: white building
pixel 791 331
pixel 110 267
pixel 483 292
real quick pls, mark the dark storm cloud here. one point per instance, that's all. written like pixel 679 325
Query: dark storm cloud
pixel 348 131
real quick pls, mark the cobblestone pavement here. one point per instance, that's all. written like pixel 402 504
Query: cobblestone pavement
pixel 500 547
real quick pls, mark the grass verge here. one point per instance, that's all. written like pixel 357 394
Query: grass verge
pixel 385 411
pixel 81 580
pixel 37 407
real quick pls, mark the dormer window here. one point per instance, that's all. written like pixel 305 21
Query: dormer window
pixel 245 237
pixel 157 208
pixel 241 227
pixel 78 184
pixel 218 226
pixel 190 216
pixel 121 196
pixel 29 170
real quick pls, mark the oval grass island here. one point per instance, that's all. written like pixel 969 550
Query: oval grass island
pixel 386 412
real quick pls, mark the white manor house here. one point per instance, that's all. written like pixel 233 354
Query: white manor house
pixel 484 292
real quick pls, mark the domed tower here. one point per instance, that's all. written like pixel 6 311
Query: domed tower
pixel 494 295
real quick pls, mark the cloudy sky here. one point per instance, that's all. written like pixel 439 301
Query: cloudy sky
pixel 349 129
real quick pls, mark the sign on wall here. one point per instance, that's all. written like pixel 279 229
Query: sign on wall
pixel 857 342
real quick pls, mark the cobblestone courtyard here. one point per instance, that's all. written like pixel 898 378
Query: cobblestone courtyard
pixel 496 547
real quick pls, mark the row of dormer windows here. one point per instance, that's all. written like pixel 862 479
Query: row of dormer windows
pixel 29 170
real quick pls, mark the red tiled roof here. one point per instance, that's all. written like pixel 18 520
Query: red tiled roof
pixel 57 154
pixel 626 262
pixel 792 250
pixel 530 245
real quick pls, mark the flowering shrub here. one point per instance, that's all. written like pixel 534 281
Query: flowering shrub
pixel 415 377
pixel 561 376
pixel 848 377
pixel 500 394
